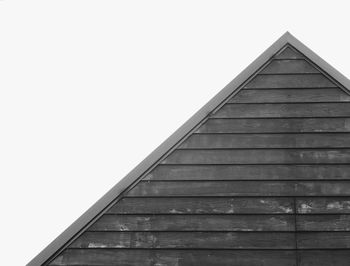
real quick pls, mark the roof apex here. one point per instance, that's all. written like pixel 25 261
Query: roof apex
pixel 340 79
pixel 286 34
pixel 168 145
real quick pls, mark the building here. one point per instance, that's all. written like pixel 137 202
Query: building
pixel 260 176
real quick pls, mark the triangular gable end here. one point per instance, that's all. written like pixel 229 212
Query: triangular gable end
pixel 253 83
pixel 289 53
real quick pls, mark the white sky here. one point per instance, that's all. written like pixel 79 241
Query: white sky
pixel 89 88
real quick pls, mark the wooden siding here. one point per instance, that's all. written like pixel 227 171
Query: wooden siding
pixel 258 156
pixel 175 257
pixel 271 110
pixel 286 66
pixel 265 141
pixel 289 54
pixel 249 172
pixel 276 125
pixel 275 81
pixel 265 181
pixel 326 95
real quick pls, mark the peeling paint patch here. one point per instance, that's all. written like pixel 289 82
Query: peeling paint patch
pixel 123 228
pixel 287 209
pixel 305 208
pixel 231 209
pixel 97 245
pixel 334 205
pixel 175 211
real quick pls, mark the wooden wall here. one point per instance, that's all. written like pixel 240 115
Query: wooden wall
pixel 265 181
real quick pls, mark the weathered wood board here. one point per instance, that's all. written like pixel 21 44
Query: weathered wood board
pixel 276 125
pixel 287 66
pixel 267 141
pixel 204 205
pixel 291 96
pixel 192 240
pixel 270 110
pixel 290 81
pixel 176 222
pixel 132 257
pixel 242 188
pixel 256 156
pixel 249 172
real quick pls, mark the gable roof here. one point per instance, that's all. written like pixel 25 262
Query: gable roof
pixel 174 140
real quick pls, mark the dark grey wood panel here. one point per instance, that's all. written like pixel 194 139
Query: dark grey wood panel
pixel 276 125
pixel 323 240
pixel 268 110
pixel 290 96
pixel 194 223
pixel 101 257
pixel 249 172
pixel 225 141
pixel 289 66
pixel 203 206
pixel 242 188
pixel 323 188
pixel 323 205
pixel 214 188
pixel 324 258
pixel 278 156
pixel 289 53
pixel 186 240
pixel 290 81
pixel 323 222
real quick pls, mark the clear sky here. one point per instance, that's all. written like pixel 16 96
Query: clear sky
pixel 89 88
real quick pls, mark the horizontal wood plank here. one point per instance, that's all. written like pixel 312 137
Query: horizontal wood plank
pixel 242 188
pixel 290 96
pixel 298 156
pixel 323 240
pixel 323 188
pixel 212 188
pixel 248 172
pixel 270 110
pixel 276 125
pixel 324 258
pixel 225 141
pixel 289 66
pixel 194 223
pixel 100 257
pixel 323 222
pixel 186 240
pixel 290 81
pixel 203 206
pixel 323 205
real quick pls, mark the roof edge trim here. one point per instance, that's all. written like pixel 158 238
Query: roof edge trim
pixel 45 255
